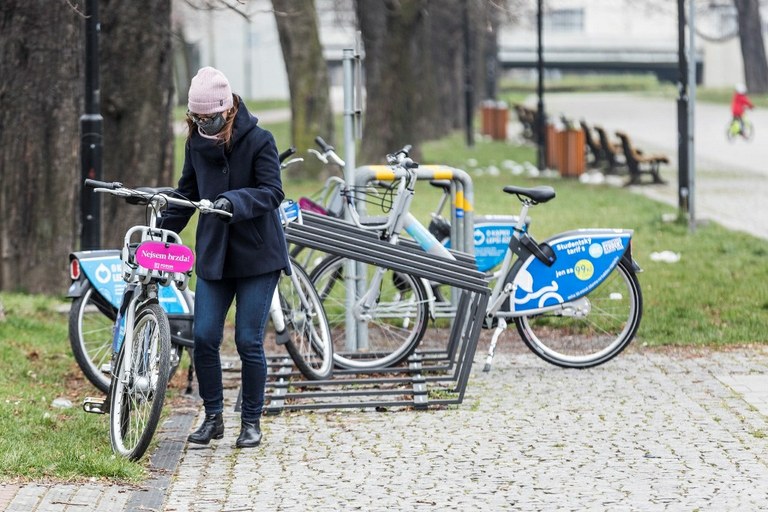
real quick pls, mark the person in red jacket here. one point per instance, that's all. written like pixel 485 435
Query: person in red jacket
pixel 740 103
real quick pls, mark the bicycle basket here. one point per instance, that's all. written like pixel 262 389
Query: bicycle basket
pixel 378 194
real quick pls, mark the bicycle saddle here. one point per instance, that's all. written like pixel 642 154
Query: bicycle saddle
pixel 540 194
pixel 443 184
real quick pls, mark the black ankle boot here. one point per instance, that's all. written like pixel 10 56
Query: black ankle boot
pixel 250 435
pixel 212 428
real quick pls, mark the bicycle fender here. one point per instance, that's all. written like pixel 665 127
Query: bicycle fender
pixel 77 288
pixel 103 269
pixel 583 259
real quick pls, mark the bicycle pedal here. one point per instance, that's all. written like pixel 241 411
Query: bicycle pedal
pixel 95 405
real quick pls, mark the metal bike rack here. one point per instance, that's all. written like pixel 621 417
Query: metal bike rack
pixel 462 196
pixel 430 377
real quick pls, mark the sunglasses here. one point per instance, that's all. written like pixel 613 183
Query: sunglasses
pixel 197 118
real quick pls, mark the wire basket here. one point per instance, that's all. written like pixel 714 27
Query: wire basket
pixel 380 195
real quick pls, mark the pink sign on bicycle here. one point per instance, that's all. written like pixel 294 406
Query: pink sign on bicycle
pixel 165 256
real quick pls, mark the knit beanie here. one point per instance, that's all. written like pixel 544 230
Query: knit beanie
pixel 209 92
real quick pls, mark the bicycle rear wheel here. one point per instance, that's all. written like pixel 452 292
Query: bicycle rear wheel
pixel 395 325
pixel 91 320
pixel 748 130
pixel 604 324
pixel 309 343
pixel 139 384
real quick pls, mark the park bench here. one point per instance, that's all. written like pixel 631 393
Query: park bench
pixel 593 146
pixel 612 152
pixel 527 118
pixel 639 163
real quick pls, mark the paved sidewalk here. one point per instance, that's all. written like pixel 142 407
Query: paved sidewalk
pixel 651 430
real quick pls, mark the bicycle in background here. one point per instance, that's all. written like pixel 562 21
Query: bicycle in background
pixel 575 298
pixel 740 127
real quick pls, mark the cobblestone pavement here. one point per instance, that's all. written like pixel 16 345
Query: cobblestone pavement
pixel 650 430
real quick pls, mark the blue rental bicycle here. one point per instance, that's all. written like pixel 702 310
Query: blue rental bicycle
pixel 574 298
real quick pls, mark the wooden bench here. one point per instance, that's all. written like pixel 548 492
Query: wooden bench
pixel 639 163
pixel 614 159
pixel 593 146
pixel 527 118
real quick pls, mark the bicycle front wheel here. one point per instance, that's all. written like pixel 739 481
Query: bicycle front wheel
pixel 395 325
pixel 596 330
pixel 139 383
pixel 91 320
pixel 309 343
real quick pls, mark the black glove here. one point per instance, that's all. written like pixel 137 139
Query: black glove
pixel 225 204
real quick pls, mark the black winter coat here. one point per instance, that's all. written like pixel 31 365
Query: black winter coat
pixel 251 242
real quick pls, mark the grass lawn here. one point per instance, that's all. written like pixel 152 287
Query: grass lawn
pixel 715 296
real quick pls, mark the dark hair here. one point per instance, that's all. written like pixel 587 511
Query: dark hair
pixel 225 135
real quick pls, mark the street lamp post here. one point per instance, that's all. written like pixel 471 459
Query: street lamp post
pixel 91 133
pixel 541 118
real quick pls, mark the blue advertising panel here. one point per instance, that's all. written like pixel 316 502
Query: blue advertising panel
pixel 583 260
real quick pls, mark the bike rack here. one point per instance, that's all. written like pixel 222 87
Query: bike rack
pixel 431 377
pixel 462 196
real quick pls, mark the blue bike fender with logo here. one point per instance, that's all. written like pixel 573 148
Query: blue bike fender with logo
pixel 583 259
pixel 104 270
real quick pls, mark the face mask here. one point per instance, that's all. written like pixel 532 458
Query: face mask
pixel 210 125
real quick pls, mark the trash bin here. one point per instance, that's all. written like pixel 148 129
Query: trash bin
pixel 573 163
pixel 494 117
pixel 554 147
pixel 487 109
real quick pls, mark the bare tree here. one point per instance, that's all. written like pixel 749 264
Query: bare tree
pixel 415 67
pixel 137 92
pixel 752 46
pixel 40 94
pixel 41 90
pixel 307 79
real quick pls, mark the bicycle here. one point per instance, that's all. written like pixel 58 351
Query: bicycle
pixel 740 127
pixel 575 298
pixel 141 343
pixel 97 289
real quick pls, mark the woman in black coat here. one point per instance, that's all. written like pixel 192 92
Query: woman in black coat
pixel 233 162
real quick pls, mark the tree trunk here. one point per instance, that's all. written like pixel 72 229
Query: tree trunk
pixel 137 91
pixel 416 76
pixel 307 81
pixel 752 46
pixel 393 90
pixel 41 97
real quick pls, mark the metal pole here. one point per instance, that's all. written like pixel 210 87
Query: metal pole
pixel 91 133
pixel 540 121
pixel 468 88
pixel 682 114
pixel 350 270
pixel 691 108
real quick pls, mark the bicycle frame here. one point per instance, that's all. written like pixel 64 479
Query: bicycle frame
pixel 534 285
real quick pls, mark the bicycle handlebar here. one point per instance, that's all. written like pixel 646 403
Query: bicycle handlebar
pixel 159 199
pixel 328 151
pixel 285 154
